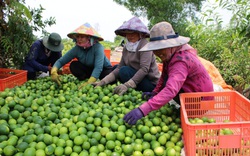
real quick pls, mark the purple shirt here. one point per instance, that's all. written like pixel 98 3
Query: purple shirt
pixel 184 71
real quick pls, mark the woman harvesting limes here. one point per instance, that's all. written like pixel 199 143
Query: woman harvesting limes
pixel 136 69
pixel 91 62
pixel 182 71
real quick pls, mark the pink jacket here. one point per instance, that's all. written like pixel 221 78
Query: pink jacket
pixel 184 71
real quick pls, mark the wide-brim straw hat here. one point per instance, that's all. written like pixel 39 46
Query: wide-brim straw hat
pixel 53 42
pixel 162 36
pixel 132 25
pixel 85 29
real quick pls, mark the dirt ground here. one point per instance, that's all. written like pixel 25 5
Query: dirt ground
pixel 115 56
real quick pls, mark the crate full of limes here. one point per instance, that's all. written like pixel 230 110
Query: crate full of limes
pixel 41 118
pixel 215 123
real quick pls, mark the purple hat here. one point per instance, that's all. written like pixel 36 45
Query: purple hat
pixel 134 24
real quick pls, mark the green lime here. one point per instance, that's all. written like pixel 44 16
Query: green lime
pixel 148 152
pixel 77 149
pixel 2 101
pixel 61 142
pixel 86 145
pixel 4 130
pixel 48 139
pixel 12 140
pixel 97 136
pixel 147 137
pixel 93 142
pixel 40 145
pixel 9 150
pixel 59 151
pixel 120 136
pixel 137 153
pixel 78 140
pixel 104 131
pixel 162 139
pixel 137 147
pixel 110 144
pixel 159 151
pixel 144 129
pixel 15 114
pixel 169 144
pixel 3 138
pixel 54 131
pixel 111 136
pixel 94 149
pixel 40 152
pixel 19 132
pixel 22 146
pixel 171 152
pixel 52 116
pixel 128 150
pixel 105 99
pixel 49 150
pixel 31 151
pixel 40 101
pixel 68 150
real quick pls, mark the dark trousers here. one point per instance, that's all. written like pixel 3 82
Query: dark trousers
pixel 83 72
pixel 126 73
pixel 31 75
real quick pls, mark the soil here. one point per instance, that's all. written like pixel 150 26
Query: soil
pixel 115 56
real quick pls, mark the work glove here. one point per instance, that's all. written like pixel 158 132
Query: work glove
pixel 54 76
pixel 122 88
pixel 148 95
pixel 133 116
pixel 106 80
pixel 90 81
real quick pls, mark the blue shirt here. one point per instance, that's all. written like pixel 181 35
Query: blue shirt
pixel 92 57
pixel 36 60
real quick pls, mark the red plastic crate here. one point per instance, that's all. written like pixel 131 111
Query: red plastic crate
pixel 205 139
pixel 10 78
pixel 114 63
pixel 107 52
pixel 65 68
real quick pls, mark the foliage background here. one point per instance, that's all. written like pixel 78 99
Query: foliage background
pixel 226 46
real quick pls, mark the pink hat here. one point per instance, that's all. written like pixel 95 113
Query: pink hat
pixel 85 29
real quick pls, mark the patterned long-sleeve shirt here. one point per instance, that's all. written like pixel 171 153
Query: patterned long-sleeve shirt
pixel 183 71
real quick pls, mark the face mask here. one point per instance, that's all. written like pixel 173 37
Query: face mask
pixel 130 46
pixel 88 44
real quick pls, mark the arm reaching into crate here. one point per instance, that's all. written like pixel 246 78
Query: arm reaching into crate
pixel 182 71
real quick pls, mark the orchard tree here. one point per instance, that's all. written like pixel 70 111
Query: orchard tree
pixel 16 31
pixel 226 46
pixel 176 12
pixel 68 44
